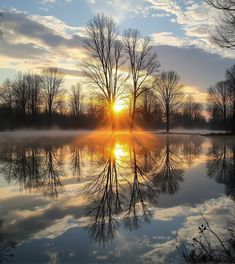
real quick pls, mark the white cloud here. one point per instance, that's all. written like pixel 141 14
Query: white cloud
pixel 50 3
pixel 218 212
pixel 196 20
pixel 118 9
pixel 167 38
pixel 35 42
pixel 46 2
pixel 91 1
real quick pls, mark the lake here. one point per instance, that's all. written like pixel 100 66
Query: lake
pixel 112 198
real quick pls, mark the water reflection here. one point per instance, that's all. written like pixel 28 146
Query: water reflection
pixel 34 168
pixel 126 174
pixel 76 161
pixel 121 189
pixel 169 172
pixel 221 165
pixel 122 176
pixel 134 173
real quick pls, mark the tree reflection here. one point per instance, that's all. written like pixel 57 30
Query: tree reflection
pixel 142 192
pixel 51 173
pixel 169 172
pixel 125 174
pixel 191 149
pixel 221 165
pixel 22 165
pixel 104 189
pixel 76 160
pixel 33 168
pixel 123 190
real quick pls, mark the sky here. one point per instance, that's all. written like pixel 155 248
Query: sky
pixel 43 33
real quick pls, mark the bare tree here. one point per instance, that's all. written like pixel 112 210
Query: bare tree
pixel 20 94
pixel 61 105
pixel 6 98
pixel 6 94
pixel 169 93
pixel 224 34
pixel 143 64
pixel 106 58
pixel 33 84
pixel 230 78
pixel 219 98
pixel 191 109
pixel 76 100
pixel 148 107
pixel 52 80
pixel 91 107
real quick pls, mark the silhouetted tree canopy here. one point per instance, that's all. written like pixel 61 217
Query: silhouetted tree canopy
pixel 224 33
pixel 169 93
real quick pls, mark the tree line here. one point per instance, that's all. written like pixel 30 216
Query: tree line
pixel 42 101
pixel 120 67
pixel 221 102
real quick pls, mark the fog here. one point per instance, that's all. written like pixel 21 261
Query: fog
pixel 43 133
pixel 51 133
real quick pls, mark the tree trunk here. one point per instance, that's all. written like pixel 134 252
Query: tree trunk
pixel 167 121
pixel 233 118
pixel 113 123
pixel 49 112
pixel 112 120
pixel 11 119
pixel 49 117
pixel 133 114
pixel 225 118
pixel 132 120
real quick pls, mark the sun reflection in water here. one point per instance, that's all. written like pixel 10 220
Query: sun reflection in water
pixel 120 151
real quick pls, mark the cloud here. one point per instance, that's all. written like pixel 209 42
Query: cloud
pixel 46 2
pixel 218 212
pixel 118 9
pixel 34 41
pixel 196 67
pixel 195 19
pixel 26 51
pixel 197 94
pixel 91 1
pixel 167 38
pixel 47 30
pixel 51 3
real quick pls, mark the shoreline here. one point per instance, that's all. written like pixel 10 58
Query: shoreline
pixel 58 132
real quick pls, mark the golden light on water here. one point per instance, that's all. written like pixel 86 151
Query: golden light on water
pixel 119 151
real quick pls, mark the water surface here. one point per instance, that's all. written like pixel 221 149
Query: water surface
pixel 111 198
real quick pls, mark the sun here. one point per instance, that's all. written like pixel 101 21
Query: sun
pixel 119 106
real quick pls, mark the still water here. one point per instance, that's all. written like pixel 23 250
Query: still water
pixel 111 198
